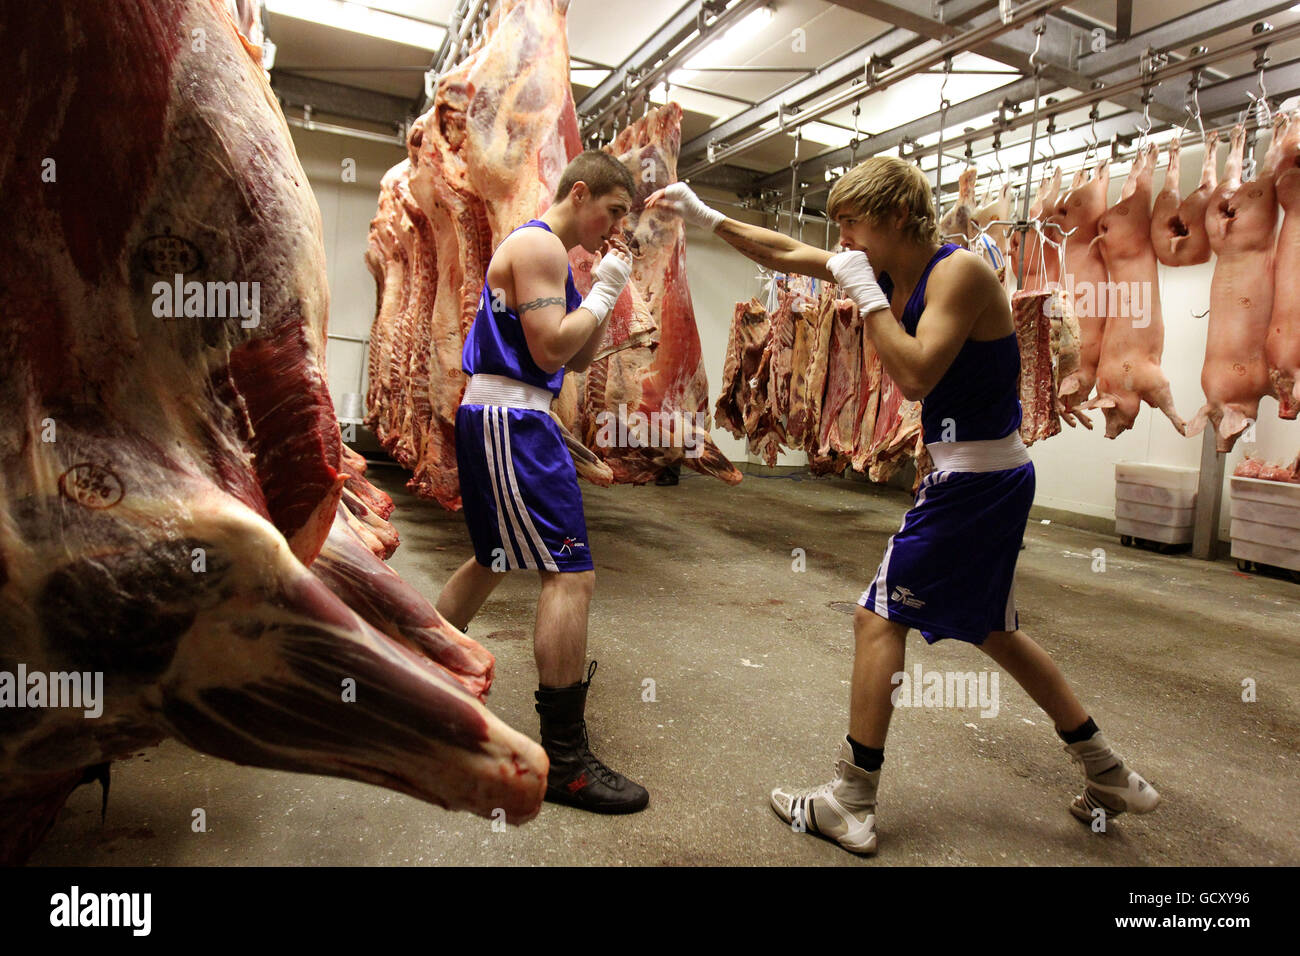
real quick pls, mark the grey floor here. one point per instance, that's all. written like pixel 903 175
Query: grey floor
pixel 750 659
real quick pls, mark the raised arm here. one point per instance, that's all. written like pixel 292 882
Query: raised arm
pixel 765 246
pixel 956 296
pixel 540 268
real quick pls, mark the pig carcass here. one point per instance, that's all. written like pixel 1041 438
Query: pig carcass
pixel 1083 276
pixel 1130 373
pixel 1241 218
pixel 1282 348
pixel 1178 233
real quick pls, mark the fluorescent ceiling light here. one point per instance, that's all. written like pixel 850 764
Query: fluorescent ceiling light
pixel 828 135
pixel 750 26
pixel 359 18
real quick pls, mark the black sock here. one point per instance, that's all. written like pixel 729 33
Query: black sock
pixel 1080 733
pixel 868 758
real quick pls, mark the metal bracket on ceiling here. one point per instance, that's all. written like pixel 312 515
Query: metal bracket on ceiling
pixel 708 8
pixel 874 67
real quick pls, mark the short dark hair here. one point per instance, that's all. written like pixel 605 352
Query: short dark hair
pixel 600 171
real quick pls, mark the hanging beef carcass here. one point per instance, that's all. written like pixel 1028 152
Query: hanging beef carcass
pixel 1130 373
pixel 808 368
pixel 169 465
pixel 1083 276
pixel 661 382
pixel 1178 228
pixel 837 433
pixel 484 159
pixel 1282 348
pixel 1241 219
pixel 1033 315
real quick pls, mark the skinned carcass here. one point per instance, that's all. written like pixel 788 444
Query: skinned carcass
pixel 661 382
pixel 992 240
pixel 1033 316
pixel 1241 219
pixel 1042 261
pixel 1130 373
pixel 958 223
pixel 1282 347
pixel 171 463
pixel 1178 233
pixel 1083 276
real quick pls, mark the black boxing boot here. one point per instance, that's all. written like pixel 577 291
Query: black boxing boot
pixel 577 778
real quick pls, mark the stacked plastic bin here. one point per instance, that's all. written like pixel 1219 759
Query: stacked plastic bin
pixel 1265 523
pixel 1154 503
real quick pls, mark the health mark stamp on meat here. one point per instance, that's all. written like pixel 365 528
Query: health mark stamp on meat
pixel 166 255
pixel 91 486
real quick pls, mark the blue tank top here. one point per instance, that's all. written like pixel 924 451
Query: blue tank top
pixel 496 344
pixel 978 398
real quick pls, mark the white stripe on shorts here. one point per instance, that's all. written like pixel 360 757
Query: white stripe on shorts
pixel 1009 616
pixel 881 580
pixel 524 516
pixel 515 556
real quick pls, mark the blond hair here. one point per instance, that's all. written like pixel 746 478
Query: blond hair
pixel 879 188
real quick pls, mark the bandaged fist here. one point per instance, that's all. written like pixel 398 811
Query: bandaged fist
pixel 681 199
pixel 852 271
pixel 614 268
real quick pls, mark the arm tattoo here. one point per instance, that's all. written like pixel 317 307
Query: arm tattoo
pixel 529 306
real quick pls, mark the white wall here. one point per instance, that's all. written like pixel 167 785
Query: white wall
pixel 1075 468
pixel 346 209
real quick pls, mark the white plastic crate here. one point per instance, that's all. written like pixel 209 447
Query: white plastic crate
pixel 1174 498
pixel 1155 502
pixel 1159 476
pixel 1155 514
pixel 1266 522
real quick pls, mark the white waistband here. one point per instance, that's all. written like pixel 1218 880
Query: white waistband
pixel 512 393
pixel 996 455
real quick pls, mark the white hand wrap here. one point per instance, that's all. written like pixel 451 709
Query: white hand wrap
pixel 852 270
pixel 681 199
pixel 611 274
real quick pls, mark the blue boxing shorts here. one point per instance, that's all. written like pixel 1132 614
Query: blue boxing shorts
pixel 950 570
pixel 519 490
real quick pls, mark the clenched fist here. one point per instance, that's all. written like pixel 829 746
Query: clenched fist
pixel 681 199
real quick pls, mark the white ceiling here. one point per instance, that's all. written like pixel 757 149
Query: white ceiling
pixel 606 31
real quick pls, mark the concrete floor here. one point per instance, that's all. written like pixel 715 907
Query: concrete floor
pixel 750 659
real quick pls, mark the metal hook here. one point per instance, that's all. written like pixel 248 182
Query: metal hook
pixel 1093 115
pixel 1039 29
pixel 1050 129
pixel 1194 107
pixel 1145 128
pixel 853 144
